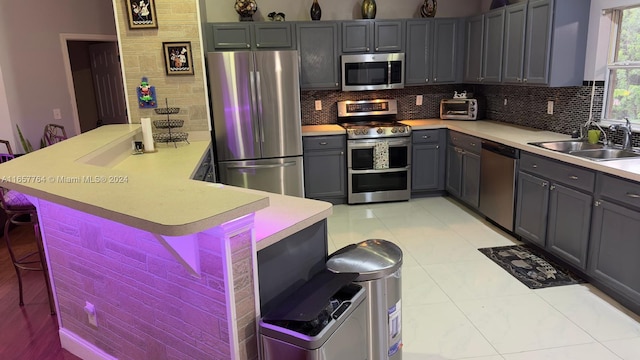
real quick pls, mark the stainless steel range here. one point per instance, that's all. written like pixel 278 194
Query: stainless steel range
pixel 378 151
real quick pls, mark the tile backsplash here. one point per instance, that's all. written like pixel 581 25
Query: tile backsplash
pixel 526 105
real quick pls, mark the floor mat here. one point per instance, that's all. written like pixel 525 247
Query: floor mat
pixel 530 267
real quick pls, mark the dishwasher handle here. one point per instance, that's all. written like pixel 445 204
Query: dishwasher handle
pixel 501 149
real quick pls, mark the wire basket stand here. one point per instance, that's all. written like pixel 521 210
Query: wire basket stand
pixel 170 135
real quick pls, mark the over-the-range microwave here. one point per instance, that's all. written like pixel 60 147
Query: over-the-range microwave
pixel 372 71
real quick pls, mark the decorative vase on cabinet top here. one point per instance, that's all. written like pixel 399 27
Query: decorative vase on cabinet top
pixel 315 11
pixel 369 9
pixel 428 8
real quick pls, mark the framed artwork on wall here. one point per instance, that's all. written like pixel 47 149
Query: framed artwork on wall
pixel 177 58
pixel 141 14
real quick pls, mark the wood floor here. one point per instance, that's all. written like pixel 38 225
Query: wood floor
pixel 28 332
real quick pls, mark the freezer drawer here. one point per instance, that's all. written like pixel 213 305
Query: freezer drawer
pixel 280 176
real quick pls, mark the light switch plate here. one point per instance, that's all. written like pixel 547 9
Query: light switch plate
pixel 550 107
pixel 318 105
pixel 419 100
pixel 57 115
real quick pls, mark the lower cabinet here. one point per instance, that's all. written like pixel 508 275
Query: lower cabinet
pixel 615 239
pixel 553 208
pixel 325 168
pixel 463 168
pixel 427 160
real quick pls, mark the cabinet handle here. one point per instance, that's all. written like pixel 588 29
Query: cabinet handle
pixel 435 79
pixel 377 49
pixel 544 184
pixel 257 45
pixel 573 177
pixel 524 80
pixel 427 80
pixel 597 203
pixel 341 152
pixel 437 146
pixel 426 136
pixel 367 49
pixel 553 187
pixel 323 143
pixel 633 195
pixel 518 79
pixel 535 166
pixel 473 144
pixel 336 84
pixel 248 45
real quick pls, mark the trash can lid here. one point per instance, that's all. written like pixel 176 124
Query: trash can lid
pixel 372 259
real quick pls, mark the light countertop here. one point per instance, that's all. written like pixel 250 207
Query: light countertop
pixel 320 130
pixel 519 137
pixel 96 173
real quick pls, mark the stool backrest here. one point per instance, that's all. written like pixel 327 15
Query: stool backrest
pixel 54 133
pixel 8 155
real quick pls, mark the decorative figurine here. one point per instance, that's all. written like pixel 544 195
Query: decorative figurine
pixel 273 16
pixel 428 8
pixel 315 11
pixel 246 9
pixel 146 95
pixel 369 9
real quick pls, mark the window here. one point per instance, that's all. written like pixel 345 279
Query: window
pixel 623 90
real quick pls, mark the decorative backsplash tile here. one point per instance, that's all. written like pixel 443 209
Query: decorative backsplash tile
pixel 526 105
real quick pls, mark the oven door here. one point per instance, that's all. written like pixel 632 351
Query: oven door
pixel 367 184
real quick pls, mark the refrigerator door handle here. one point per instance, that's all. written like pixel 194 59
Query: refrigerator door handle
pixel 259 107
pixel 271 166
pixel 254 114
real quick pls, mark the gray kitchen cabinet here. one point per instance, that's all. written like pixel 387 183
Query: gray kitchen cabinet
pixel 318 45
pixel 325 168
pixel 432 51
pixel 463 167
pixel 515 20
pixel 615 244
pixel 554 207
pixel 254 36
pixel 484 46
pixel 366 36
pixel 538 42
pixel 428 160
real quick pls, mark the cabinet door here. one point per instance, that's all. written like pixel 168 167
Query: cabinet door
pixel 418 55
pixel 324 174
pixel 388 36
pixel 273 35
pixel 532 208
pixel 445 54
pixel 538 42
pixel 614 249
pixel 473 49
pixel 425 167
pixel 569 223
pixel 356 36
pixel 230 37
pixel 454 170
pixel 471 179
pixel 319 55
pixel 492 43
pixel 514 40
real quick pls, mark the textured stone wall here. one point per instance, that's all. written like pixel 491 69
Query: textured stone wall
pixel 142 56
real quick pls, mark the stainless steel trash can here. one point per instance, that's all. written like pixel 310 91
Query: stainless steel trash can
pixel 378 263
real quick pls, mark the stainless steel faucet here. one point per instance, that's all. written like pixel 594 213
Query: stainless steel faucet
pixel 626 138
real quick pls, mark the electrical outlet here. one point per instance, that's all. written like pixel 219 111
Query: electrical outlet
pixel 318 105
pixel 57 115
pixel 91 313
pixel 505 101
pixel 419 100
pixel 550 107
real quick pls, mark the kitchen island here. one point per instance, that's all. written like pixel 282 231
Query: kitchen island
pixel 168 263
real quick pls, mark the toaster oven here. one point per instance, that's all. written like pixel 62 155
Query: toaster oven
pixel 460 109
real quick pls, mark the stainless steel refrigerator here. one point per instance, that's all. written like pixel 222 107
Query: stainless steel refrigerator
pixel 256 119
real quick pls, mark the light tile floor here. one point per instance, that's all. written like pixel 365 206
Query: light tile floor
pixel 459 305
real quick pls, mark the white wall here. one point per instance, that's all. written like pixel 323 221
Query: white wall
pixel 598 39
pixel 222 11
pixel 31 60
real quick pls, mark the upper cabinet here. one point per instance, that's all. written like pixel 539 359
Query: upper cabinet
pixel 277 35
pixel 433 51
pixel 367 36
pixel 484 46
pixel 515 21
pixel 318 44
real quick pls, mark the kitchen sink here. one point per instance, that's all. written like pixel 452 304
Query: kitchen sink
pixel 596 152
pixel 606 154
pixel 567 146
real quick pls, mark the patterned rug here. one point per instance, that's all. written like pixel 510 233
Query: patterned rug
pixel 530 267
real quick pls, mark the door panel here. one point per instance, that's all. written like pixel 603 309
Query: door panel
pixel 278 99
pixel 532 208
pixel 107 82
pixel 236 130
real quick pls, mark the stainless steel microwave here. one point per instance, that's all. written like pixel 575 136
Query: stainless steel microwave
pixel 372 71
pixel 461 109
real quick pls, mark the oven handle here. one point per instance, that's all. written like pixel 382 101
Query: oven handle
pixel 359 144
pixel 390 170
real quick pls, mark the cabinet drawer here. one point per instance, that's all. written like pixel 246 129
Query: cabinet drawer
pixel 563 173
pixel 425 136
pixel 467 142
pixel 324 142
pixel 624 191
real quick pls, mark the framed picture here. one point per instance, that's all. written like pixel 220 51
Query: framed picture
pixel 141 14
pixel 177 58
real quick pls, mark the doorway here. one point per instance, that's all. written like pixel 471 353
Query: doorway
pixel 94 80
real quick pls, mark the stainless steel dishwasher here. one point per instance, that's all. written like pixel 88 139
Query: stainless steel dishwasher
pixel 498 172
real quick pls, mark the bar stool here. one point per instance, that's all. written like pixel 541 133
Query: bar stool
pixel 20 211
pixel 54 133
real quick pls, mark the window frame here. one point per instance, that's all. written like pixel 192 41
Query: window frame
pixel 614 36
